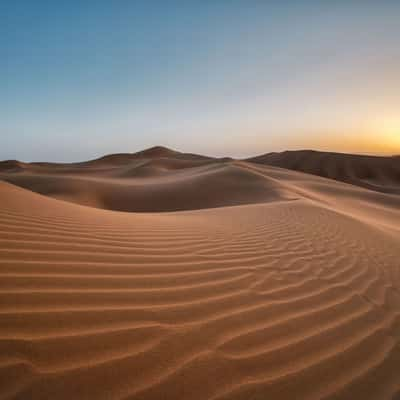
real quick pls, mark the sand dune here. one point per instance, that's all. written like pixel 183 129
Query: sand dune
pixel 371 172
pixel 156 179
pixel 159 179
pixel 294 293
pixel 151 187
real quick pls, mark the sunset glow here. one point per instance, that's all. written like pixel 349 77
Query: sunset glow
pixel 227 79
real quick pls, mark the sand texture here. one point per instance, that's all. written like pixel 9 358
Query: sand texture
pixel 270 284
pixel 372 172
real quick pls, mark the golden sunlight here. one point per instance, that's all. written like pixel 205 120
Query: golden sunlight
pixel 387 134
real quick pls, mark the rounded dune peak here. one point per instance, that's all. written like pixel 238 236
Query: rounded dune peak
pixel 124 158
pixel 151 153
pixel 11 166
pixel 157 151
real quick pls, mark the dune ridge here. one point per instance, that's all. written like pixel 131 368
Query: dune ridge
pixel 290 288
pixel 160 179
pixel 371 172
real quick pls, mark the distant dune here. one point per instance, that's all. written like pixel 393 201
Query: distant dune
pixel 161 179
pixel 372 172
pixel 157 179
pixel 293 293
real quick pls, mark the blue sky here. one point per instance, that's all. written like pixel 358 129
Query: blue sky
pixel 80 79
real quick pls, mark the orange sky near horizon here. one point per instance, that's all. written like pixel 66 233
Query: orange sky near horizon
pixel 379 142
pixel 219 78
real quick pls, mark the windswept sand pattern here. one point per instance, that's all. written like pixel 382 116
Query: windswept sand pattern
pixel 296 298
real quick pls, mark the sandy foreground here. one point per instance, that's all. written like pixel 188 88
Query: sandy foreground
pixel 271 284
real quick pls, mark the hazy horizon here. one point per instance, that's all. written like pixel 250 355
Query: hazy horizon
pixel 230 79
pixel 180 150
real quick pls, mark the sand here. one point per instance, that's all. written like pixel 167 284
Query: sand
pixel 288 289
pixel 372 172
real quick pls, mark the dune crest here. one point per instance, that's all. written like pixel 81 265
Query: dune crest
pixel 371 172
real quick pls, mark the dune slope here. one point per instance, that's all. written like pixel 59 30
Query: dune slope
pixel 156 179
pixel 294 296
pixel 151 187
pixel 376 173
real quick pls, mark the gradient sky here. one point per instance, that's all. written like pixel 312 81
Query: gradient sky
pixel 79 79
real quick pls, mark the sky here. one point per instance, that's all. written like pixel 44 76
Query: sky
pixel 81 79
